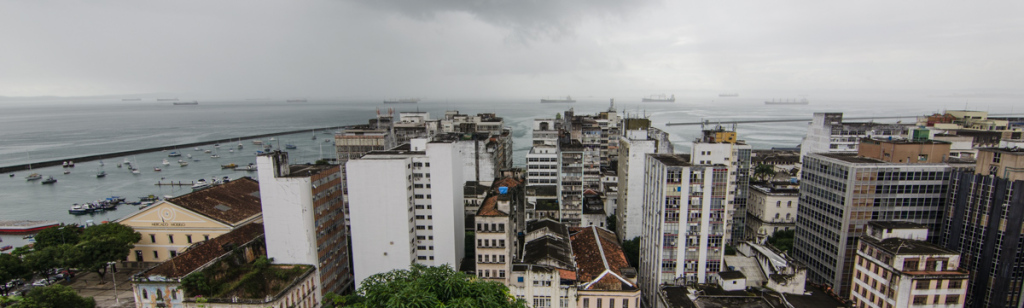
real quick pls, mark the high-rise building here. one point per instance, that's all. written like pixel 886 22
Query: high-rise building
pixel 684 222
pixel 407 207
pixel 841 193
pixel 719 146
pixel 634 146
pixel 827 133
pixel 982 222
pixel 895 267
pixel 305 219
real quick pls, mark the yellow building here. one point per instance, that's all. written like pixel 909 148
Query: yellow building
pixel 170 226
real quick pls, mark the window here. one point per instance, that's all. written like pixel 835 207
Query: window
pixel 952 299
pixel 586 303
pixel 174 253
pixel 188 238
pixel 954 284
pixel 625 303
pixel 170 238
pixel 920 299
pixel 156 255
pixel 145 294
pixel 206 237
pixel 922 284
pixel 599 303
pixel 152 238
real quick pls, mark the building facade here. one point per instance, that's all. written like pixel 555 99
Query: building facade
pixel 633 148
pixel 305 219
pixel 684 222
pixel 719 146
pixel 771 207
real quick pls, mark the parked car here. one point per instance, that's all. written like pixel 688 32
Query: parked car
pixel 41 282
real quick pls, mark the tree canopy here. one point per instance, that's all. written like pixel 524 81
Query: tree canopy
pixel 632 250
pixel 11 267
pixel 50 237
pixel 55 296
pixel 764 173
pixel 426 287
pixel 782 240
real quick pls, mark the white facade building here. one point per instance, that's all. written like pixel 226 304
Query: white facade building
pixel 684 222
pixel 827 133
pixel 407 207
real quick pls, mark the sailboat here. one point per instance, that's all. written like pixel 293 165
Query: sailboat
pixel 239 143
pixel 34 176
pixel 314 134
pixel 165 162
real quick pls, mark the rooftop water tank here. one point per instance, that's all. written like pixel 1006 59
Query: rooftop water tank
pixel 503 190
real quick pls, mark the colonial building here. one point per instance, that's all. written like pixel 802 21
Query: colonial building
pixel 498 223
pixel 604 277
pixel 171 225
pixel 771 207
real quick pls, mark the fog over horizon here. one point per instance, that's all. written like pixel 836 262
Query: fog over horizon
pixel 455 49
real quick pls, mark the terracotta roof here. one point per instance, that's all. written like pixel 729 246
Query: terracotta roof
pixel 507 182
pixel 230 203
pixel 597 252
pixel 548 250
pixel 204 252
pixel 490 207
pixel 565 274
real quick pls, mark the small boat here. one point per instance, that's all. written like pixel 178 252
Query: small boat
pixel 136 171
pixel 157 169
pixel 101 174
pixel 256 142
pixel 200 185
pixel 214 156
pixel 215 145
pixel 207 151
pixel 231 151
pixel 165 162
pixel 290 147
pixel 6 248
pixel 188 155
pixel 148 198
pixel 250 167
pixel 101 163
pixel 198 149
pixel 119 165
pixel 182 163
pixel 49 180
pixel 64 165
pixel 314 134
pixel 174 154
pixel 272 139
pixel 228 166
pixel 327 141
pixel 80 209
pixel 239 145
pixel 12 175
pixel 28 236
pixel 195 160
pixel 128 161
pixel 67 171
pixel 33 177
pixel 71 164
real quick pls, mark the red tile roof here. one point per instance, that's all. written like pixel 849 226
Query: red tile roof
pixel 490 208
pixel 598 251
pixel 204 252
pixel 231 203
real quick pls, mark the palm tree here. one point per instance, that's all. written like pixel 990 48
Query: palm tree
pixel 764 173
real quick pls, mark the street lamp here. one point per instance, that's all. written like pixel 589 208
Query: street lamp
pixel 113 276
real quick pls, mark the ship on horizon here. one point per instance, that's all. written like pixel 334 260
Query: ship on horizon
pixel 567 99
pixel 412 100
pixel 167 99
pixel 802 101
pixel 186 103
pixel 659 98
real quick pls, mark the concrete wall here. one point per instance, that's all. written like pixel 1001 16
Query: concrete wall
pixel 288 216
pixel 446 179
pixel 380 206
pixel 632 154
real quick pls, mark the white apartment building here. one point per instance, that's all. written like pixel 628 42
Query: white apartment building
pixel 542 165
pixel 634 146
pixel 305 220
pixel 407 207
pixel 896 267
pixel 684 222
pixel 827 133
pixel 720 147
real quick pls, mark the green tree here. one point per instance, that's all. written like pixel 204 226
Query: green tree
pixel 632 250
pixel 122 233
pixel 426 287
pixel 55 296
pixel 197 283
pixel 782 240
pixel 58 236
pixel 42 260
pixel 101 244
pixel 764 173
pixel 11 267
pixel 611 222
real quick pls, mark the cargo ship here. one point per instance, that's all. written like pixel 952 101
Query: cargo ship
pixel 402 101
pixel 567 99
pixel 802 101
pixel 660 98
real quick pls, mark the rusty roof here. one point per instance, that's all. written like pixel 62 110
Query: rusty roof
pixel 490 208
pixel 507 182
pixel 231 203
pixel 205 251
pixel 597 251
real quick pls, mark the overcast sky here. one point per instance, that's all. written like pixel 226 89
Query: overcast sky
pixel 480 48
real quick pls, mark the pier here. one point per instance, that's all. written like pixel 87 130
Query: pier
pixel 58 162
pixel 172 183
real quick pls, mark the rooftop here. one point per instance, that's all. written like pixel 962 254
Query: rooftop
pixel 490 208
pixel 542 190
pixel 474 188
pixel 203 252
pixel 851 158
pixel 892 224
pixel 877 140
pixel 672 159
pixel 899 246
pixel 730 275
pixel 597 253
pixel 232 202
pixel 772 189
pixel 548 249
pixel 550 225
pixel 300 171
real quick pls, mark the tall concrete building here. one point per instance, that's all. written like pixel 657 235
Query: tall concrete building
pixel 684 222
pixel 305 219
pixel 407 207
pixel 719 146
pixel 498 223
pixel 634 146
pixel 983 222
pixel 841 193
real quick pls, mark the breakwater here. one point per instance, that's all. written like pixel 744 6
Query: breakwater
pixel 58 162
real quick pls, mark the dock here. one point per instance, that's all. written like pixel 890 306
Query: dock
pixel 26 226
pixel 172 183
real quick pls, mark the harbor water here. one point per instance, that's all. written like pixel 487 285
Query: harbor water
pixel 63 129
